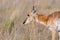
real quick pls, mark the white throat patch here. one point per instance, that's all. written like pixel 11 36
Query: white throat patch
pixel 40 22
pixel 37 20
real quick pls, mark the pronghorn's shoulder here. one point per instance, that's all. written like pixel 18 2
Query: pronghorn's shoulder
pixel 53 16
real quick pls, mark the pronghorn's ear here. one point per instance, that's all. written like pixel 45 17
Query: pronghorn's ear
pixel 33 10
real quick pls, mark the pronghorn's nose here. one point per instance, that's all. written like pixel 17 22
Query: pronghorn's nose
pixel 24 22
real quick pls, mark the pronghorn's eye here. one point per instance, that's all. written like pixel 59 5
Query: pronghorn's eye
pixel 28 15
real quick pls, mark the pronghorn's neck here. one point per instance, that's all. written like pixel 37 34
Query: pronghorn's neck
pixel 41 18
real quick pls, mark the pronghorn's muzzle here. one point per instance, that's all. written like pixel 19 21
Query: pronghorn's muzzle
pixel 24 21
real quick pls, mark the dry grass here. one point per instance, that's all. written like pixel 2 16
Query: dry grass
pixel 12 15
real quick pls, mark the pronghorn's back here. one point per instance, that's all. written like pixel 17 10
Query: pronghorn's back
pixel 55 14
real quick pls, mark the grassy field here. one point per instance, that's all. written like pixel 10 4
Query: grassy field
pixel 14 12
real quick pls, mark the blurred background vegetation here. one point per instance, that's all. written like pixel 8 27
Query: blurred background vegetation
pixel 14 12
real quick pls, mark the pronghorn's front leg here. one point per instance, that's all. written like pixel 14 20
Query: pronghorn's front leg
pixel 52 28
pixel 59 35
pixel 53 31
pixel 53 34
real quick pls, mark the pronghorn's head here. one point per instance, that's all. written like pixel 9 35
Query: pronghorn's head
pixel 30 17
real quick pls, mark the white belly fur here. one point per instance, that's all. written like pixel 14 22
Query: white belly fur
pixel 57 24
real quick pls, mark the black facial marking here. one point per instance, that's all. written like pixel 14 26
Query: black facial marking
pixel 24 21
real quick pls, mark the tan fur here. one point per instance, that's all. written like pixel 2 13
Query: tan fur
pixel 47 19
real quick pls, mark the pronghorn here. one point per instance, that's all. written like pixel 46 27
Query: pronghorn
pixel 51 21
